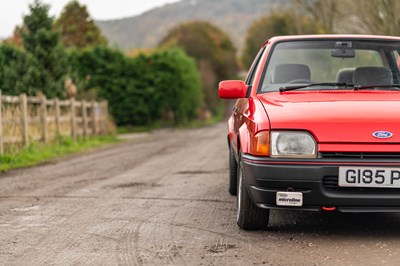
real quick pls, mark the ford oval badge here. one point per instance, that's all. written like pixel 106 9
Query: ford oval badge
pixel 382 134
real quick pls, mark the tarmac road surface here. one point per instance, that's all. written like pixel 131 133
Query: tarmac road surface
pixel 162 200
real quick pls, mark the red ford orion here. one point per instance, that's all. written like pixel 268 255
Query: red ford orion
pixel 316 127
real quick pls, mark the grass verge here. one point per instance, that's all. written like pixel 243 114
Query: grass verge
pixel 38 153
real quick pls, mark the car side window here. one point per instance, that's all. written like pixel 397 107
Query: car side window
pixel 397 58
pixel 250 77
pixel 394 64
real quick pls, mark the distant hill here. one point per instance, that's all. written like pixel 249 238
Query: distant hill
pixel 146 30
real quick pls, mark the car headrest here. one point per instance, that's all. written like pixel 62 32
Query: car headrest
pixel 372 75
pixel 287 72
pixel 345 75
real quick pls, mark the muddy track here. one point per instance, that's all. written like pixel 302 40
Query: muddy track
pixel 163 200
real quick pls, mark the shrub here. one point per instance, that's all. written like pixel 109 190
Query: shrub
pixel 142 89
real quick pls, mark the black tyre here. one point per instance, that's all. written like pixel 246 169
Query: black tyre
pixel 249 216
pixel 233 167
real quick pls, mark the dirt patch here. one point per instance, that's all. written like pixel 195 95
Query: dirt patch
pixel 196 172
pixel 219 248
pixel 136 185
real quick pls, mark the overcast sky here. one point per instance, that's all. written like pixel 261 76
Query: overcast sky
pixel 11 11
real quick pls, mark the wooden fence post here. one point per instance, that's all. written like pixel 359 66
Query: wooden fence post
pixel 94 123
pixel 106 109
pixel 43 103
pixel 101 117
pixel 57 116
pixel 85 119
pixel 23 101
pixel 73 118
pixel 1 126
pixel 104 117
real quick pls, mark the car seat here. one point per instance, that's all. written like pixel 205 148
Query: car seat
pixel 285 73
pixel 345 75
pixel 373 76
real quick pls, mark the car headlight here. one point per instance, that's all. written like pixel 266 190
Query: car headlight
pixel 293 144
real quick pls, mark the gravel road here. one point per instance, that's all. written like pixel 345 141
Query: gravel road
pixel 162 200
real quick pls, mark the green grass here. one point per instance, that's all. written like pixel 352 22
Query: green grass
pixel 38 153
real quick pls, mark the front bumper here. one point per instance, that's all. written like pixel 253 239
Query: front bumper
pixel 317 180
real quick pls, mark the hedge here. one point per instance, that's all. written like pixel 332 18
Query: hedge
pixel 143 89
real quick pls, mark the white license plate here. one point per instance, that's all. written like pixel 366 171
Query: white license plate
pixel 382 177
pixel 289 199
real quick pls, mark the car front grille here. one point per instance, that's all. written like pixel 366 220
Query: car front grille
pixel 330 182
pixel 360 155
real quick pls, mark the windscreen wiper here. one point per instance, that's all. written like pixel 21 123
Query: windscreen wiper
pixel 297 87
pixel 366 87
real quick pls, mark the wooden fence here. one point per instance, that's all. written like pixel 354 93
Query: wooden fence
pixel 25 119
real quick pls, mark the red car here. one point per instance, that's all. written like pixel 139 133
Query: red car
pixel 316 127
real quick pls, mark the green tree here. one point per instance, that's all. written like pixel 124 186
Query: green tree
pixel 78 28
pixel 18 71
pixel 213 51
pixel 43 45
pixel 276 24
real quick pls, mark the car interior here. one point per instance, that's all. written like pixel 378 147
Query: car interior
pixel 288 73
pixel 300 73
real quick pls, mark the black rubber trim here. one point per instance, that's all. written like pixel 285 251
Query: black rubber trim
pixel 265 160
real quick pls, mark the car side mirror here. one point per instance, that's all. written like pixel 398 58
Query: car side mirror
pixel 232 89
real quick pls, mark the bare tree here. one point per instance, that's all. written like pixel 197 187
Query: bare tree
pixel 376 16
pixel 324 12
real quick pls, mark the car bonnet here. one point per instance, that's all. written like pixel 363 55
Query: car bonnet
pixel 337 116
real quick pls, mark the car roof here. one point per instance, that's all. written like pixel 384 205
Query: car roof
pixel 331 37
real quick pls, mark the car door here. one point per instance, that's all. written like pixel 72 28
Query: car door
pixel 242 104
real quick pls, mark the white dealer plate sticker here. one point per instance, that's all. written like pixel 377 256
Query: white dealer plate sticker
pixel 289 199
pixel 382 177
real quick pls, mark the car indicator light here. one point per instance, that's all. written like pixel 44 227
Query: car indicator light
pixel 260 144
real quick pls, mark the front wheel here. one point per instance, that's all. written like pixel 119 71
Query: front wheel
pixel 248 216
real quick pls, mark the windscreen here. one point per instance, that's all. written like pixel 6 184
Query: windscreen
pixel 330 61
